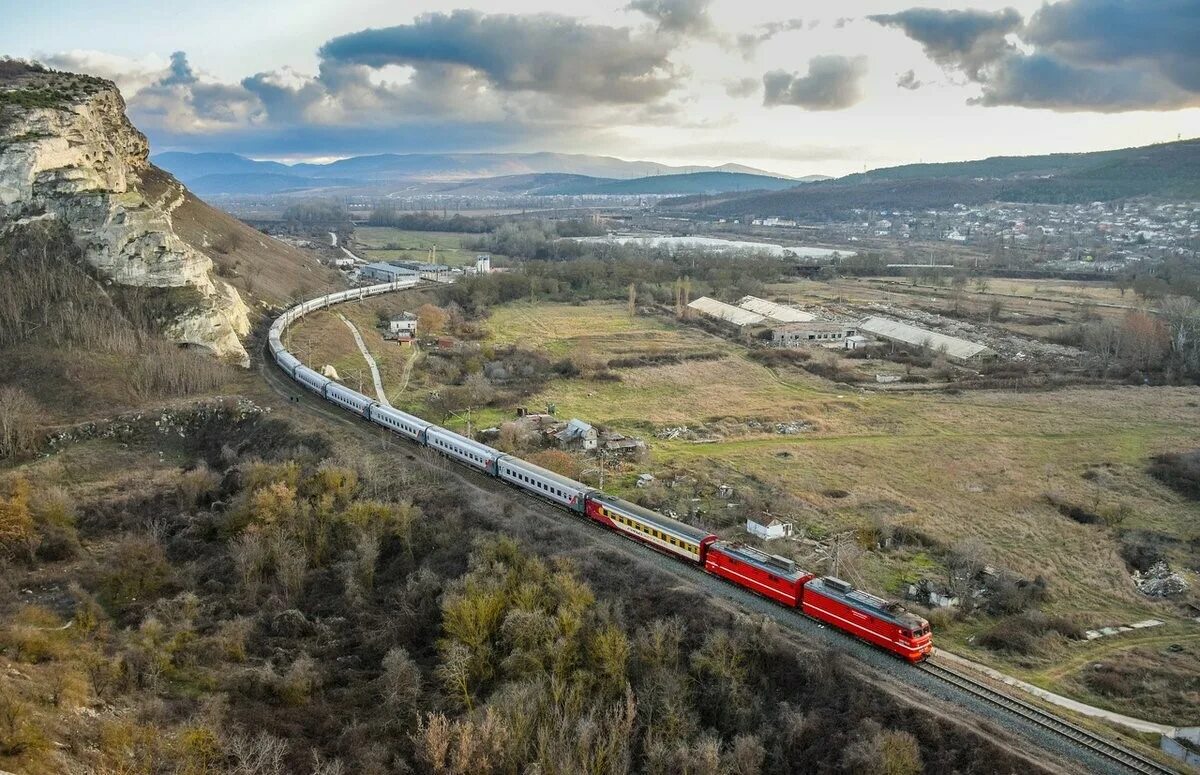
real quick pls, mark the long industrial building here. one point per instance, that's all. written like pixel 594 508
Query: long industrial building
pixel 959 350
pixel 726 312
pixel 778 313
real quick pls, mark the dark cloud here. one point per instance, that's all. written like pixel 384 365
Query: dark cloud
pixel 966 40
pixel 749 42
pixel 742 87
pixel 179 101
pixel 538 53
pixel 832 83
pixel 842 21
pixel 179 72
pixel 1078 55
pixel 682 17
pixel 479 81
pixel 1160 36
pixel 1047 81
pixel 908 80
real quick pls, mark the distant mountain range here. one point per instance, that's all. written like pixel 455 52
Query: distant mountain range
pixel 514 173
pixel 1167 170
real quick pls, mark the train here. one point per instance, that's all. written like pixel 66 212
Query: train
pixel 832 601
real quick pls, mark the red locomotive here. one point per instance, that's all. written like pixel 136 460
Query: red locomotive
pixel 768 575
pixel 870 618
pixel 833 601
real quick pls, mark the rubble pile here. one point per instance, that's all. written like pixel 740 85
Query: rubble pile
pixel 1160 581
pixel 1004 342
pixel 172 422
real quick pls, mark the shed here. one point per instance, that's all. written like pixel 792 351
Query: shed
pixel 956 349
pixel 577 432
pixel 726 312
pixel 816 332
pixel 778 313
pixel 385 272
pixel 770 531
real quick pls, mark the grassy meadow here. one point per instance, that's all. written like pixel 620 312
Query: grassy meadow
pixel 385 243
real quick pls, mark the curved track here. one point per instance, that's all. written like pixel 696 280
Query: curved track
pixel 1035 724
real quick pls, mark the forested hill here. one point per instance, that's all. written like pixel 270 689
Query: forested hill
pixel 1168 170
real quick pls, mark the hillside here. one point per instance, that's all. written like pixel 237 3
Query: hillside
pixel 119 285
pixel 1168 170
pixel 686 183
pixel 238 174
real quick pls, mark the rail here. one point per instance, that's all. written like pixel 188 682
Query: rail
pixel 1116 753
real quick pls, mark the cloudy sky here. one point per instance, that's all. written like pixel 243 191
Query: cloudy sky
pixel 814 87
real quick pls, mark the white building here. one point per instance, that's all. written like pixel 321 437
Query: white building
pixel 817 332
pixel 726 312
pixel 770 531
pixel 779 313
pixel 403 325
pixel 958 350
pixel 483 264
pixel 385 272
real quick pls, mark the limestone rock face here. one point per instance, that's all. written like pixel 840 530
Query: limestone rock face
pixel 82 161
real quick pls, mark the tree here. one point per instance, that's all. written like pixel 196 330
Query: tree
pixel 431 320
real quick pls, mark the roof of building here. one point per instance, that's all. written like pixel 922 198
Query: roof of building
pixel 817 325
pixel 779 313
pixel 379 266
pixel 958 349
pixel 575 429
pixel 727 312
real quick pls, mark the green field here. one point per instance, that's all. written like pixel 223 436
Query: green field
pixel 383 243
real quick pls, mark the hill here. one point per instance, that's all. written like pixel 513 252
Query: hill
pixel 1167 170
pixel 686 183
pixel 238 174
pixel 118 283
pixel 560 184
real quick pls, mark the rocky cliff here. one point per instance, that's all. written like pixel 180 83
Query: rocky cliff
pixel 68 152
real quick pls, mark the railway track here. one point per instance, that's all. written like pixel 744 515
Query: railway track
pixel 1132 760
pixel 1117 758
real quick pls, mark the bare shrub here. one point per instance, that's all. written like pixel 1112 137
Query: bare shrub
pixel 400 682
pixel 197 485
pixel 20 418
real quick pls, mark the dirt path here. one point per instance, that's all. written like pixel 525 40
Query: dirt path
pixel 370 359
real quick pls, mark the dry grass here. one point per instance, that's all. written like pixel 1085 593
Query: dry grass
pixel 259 266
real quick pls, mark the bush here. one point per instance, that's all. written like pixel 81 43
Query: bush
pixel 138 572
pixel 1180 471
pixel 1021 634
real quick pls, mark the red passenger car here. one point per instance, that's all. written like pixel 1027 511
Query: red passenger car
pixel 870 618
pixel 768 575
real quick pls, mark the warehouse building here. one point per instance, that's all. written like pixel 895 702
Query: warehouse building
pixel 387 273
pixel 816 332
pixel 776 313
pixel 726 313
pixel 958 350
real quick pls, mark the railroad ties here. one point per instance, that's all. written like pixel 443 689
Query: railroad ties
pixel 1132 760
